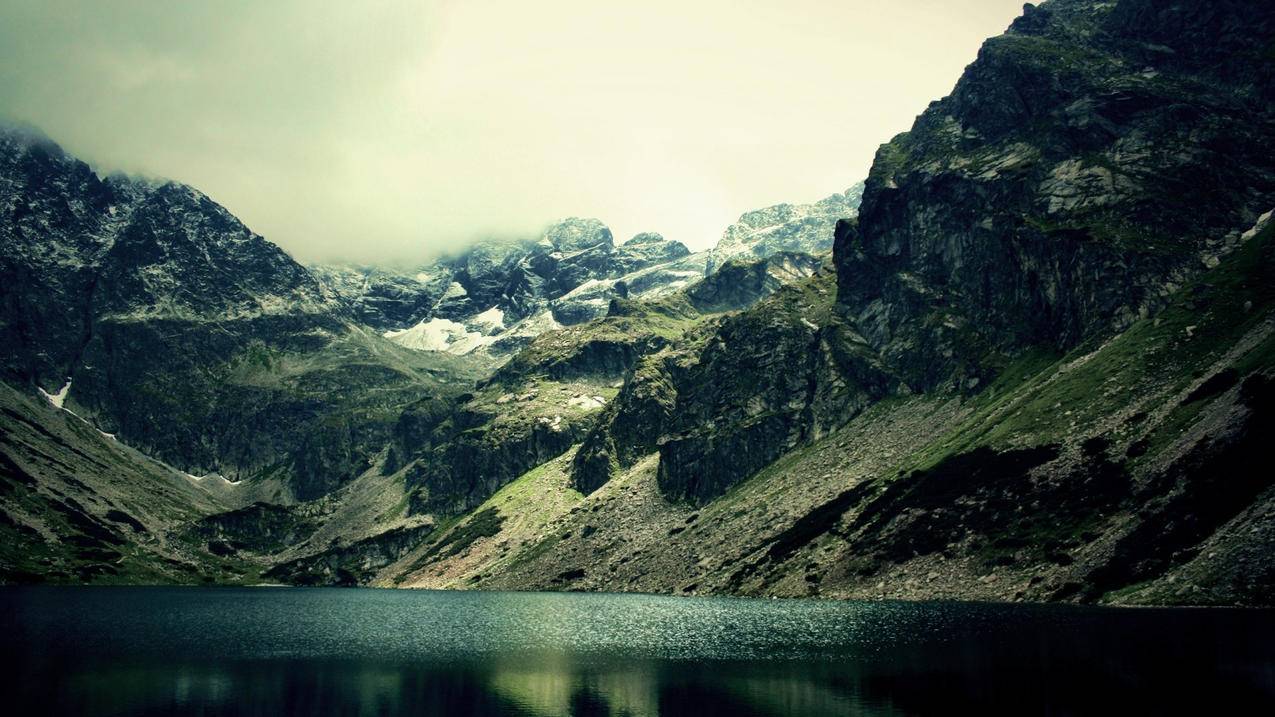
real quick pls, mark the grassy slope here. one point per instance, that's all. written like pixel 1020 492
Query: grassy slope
pixel 794 529
pixel 77 506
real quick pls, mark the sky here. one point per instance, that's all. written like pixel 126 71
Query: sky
pixel 389 132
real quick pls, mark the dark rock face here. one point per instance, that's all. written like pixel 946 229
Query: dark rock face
pixel 351 564
pixel 78 249
pixel 732 398
pixel 1043 201
pixel 468 466
pixel 768 381
pixel 260 528
pixel 740 283
pixel 631 425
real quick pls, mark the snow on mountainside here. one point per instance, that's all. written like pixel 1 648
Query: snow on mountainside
pixel 496 296
pixel 501 294
pixel 439 335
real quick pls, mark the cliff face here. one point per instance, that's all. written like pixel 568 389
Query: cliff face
pixel 1039 205
pixel 1087 163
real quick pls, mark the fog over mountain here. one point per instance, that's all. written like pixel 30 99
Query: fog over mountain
pixel 391 131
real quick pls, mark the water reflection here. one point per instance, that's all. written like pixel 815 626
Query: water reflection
pixel 353 652
pixel 362 689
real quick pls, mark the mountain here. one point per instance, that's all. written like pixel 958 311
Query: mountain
pixel 157 315
pixel 1040 369
pixel 498 295
pixel 804 228
pixel 1039 364
pixel 211 367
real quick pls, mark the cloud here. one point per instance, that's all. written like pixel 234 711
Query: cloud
pixel 392 131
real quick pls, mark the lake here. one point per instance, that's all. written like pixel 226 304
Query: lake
pixel 276 651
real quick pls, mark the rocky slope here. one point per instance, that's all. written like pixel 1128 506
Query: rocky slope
pixel 78 506
pixel 1126 471
pixel 1039 356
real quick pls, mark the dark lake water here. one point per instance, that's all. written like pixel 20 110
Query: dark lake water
pixel 267 651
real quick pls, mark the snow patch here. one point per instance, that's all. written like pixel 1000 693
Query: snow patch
pixel 492 319
pixel 59 398
pixel 1262 221
pixel 586 403
pixel 216 477
pixel 454 291
pixel 439 335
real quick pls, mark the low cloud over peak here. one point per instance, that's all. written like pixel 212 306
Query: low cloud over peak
pixel 392 131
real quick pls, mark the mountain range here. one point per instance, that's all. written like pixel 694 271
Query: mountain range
pixel 1032 357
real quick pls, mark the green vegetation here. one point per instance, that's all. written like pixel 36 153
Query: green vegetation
pixel 483 524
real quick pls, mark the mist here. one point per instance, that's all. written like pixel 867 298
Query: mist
pixel 391 132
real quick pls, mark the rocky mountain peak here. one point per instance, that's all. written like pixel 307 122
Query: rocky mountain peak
pixel 574 234
pixel 644 238
pixel 785 228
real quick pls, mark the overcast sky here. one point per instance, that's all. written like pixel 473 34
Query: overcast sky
pixel 388 131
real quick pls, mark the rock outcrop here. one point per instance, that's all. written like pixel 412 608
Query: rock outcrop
pixel 1079 172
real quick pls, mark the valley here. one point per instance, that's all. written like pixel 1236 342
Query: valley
pixel 1030 358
